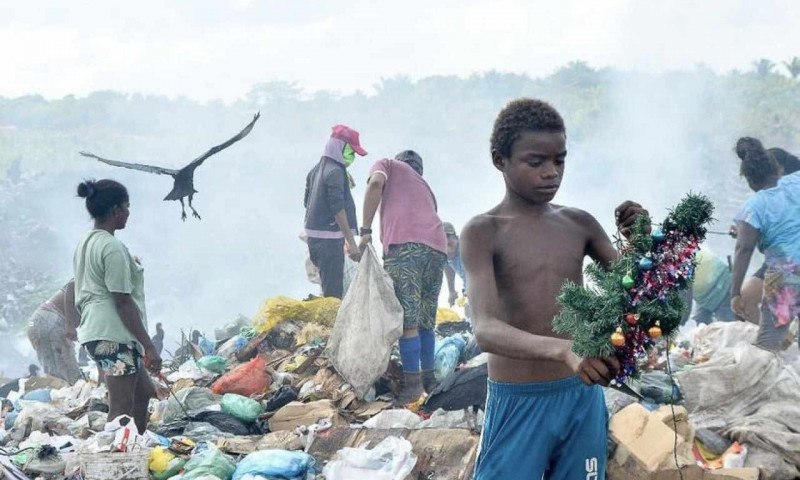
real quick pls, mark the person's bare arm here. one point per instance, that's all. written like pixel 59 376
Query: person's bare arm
pixel 746 241
pixel 344 226
pixel 598 246
pixel 72 318
pixel 492 333
pixel 372 200
pixel 450 276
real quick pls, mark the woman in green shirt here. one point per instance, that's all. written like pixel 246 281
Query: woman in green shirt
pixel 109 294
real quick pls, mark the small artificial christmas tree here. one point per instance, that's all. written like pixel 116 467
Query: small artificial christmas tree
pixel 637 299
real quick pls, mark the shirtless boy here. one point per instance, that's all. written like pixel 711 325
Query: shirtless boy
pixel 545 413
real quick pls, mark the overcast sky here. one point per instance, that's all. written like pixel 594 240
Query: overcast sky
pixel 217 49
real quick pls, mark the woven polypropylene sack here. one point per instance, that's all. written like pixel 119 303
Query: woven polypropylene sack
pixel 369 322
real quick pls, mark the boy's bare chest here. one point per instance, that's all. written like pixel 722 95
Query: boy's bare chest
pixel 538 252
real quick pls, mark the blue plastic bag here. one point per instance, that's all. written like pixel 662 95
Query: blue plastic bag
pixel 448 351
pixel 40 395
pixel 207 346
pixel 10 418
pixel 275 463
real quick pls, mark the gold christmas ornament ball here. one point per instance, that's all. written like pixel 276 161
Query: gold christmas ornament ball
pixel 655 331
pixel 617 339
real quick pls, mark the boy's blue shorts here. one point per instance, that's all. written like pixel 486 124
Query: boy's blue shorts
pixel 544 430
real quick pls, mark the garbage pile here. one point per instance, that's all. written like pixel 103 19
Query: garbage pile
pixel 264 402
pixel 305 389
pixel 733 411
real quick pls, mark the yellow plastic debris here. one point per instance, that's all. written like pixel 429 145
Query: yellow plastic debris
pixel 296 363
pixel 446 315
pixel 275 310
pixel 159 459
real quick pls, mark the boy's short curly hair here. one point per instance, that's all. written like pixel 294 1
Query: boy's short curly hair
pixel 520 115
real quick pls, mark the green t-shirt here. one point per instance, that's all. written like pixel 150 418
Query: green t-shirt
pixel 712 280
pixel 104 266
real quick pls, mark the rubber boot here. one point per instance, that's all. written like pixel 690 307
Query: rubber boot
pixel 411 390
pixel 429 382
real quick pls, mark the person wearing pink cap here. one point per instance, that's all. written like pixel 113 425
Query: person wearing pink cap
pixel 331 222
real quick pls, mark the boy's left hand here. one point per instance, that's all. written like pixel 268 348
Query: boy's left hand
pixel 626 214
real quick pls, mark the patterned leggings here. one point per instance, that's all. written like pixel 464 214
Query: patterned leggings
pixel 416 271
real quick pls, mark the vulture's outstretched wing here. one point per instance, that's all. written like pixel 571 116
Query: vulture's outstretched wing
pixel 222 146
pixel 134 166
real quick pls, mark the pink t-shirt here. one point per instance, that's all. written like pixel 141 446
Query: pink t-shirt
pixel 408 208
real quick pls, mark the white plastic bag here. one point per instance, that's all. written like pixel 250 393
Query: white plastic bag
pixel 395 418
pixel 369 322
pixel 391 459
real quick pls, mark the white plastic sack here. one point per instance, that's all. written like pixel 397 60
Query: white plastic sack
pixel 391 459
pixel 369 322
pixel 42 416
pixel 750 395
pixel 709 339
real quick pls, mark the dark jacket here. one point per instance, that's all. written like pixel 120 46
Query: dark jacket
pixel 328 192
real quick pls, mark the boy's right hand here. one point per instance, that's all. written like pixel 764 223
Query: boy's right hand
pixel 599 371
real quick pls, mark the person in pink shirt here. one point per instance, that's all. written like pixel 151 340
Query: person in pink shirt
pixel 415 254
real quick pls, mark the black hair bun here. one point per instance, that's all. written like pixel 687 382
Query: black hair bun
pixel 749 149
pixel 86 189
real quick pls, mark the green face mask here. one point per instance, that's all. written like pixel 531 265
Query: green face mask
pixel 348 154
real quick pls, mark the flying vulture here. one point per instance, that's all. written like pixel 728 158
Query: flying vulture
pixel 184 178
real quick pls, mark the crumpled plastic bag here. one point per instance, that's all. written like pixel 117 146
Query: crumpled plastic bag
pixel 658 387
pixel 213 363
pixel 191 370
pixel 242 408
pixel 246 379
pixel 164 464
pixel 126 434
pixel 396 418
pixel 391 459
pixel 446 315
pixel 281 398
pixel 193 398
pixel 369 323
pixel 207 346
pixel 278 309
pixel 40 395
pixel 446 357
pixel 43 417
pixel 209 462
pixel 231 346
pixel 276 463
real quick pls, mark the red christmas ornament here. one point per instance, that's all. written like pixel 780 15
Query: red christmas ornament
pixel 632 318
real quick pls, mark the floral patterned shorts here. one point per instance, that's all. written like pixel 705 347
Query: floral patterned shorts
pixel 115 359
